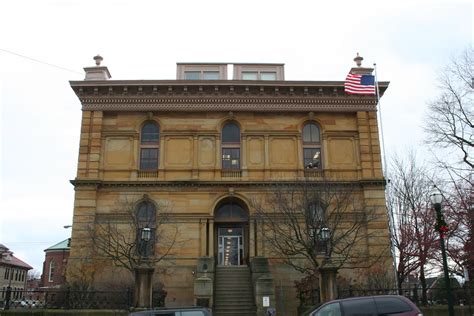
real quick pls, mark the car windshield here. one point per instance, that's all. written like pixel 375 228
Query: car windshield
pixel 332 309
pixel 391 305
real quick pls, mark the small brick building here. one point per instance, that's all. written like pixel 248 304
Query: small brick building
pixel 54 265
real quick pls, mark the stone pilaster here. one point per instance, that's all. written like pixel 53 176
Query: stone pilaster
pixel 143 287
pixel 370 156
pixel 378 241
pixel 204 282
pixel 90 145
pixel 264 289
pixel 327 282
pixel 79 267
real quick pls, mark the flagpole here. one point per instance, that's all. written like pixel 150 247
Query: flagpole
pixel 391 219
pixel 384 168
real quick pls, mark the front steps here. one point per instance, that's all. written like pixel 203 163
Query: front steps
pixel 233 295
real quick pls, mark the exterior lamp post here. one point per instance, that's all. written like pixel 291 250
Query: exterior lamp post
pixel 145 237
pixel 326 238
pixel 436 198
pixel 143 273
pixel 327 270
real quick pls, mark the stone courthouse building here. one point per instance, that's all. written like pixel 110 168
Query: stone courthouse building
pixel 199 150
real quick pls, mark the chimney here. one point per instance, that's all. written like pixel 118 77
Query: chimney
pixel 359 70
pixel 98 72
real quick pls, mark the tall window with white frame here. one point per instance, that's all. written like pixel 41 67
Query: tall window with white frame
pixel 312 146
pixel 52 267
pixel 149 147
pixel 231 146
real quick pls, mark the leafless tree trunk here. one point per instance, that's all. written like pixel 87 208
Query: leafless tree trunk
pixel 293 217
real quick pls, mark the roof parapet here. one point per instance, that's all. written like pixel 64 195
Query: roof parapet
pixel 97 72
pixel 359 70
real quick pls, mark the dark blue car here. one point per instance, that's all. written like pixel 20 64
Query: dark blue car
pixel 177 311
pixel 369 306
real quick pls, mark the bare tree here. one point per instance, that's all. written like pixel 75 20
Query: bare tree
pixel 117 236
pixel 378 277
pixel 449 122
pixel 456 207
pixel 469 246
pixel 293 217
pixel 450 125
pixel 82 274
pixel 33 275
pixel 415 237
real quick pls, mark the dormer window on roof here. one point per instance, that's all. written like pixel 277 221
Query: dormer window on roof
pixel 189 71
pixel 201 75
pixel 259 72
pixel 255 75
pixel 196 71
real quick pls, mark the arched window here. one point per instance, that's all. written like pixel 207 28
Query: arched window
pixel 149 146
pixel 231 212
pixel 316 214
pixel 316 220
pixel 146 219
pixel 311 146
pixel 231 146
pixel 146 213
pixel 52 266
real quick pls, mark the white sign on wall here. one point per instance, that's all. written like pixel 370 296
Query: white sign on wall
pixel 266 301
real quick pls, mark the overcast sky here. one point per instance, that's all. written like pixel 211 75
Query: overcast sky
pixel 40 115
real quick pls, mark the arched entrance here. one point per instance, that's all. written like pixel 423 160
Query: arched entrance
pixel 231 231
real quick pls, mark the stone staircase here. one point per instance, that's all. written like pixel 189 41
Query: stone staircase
pixel 233 292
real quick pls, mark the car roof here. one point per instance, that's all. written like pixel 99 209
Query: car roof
pixel 170 309
pixel 372 296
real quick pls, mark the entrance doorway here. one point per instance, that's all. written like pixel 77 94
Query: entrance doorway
pixel 231 246
pixel 231 233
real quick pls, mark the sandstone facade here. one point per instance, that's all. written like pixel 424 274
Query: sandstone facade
pixel 190 178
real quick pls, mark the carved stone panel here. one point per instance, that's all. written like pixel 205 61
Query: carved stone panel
pixel 342 152
pixel 178 151
pixel 118 152
pixel 255 151
pixel 207 151
pixel 283 152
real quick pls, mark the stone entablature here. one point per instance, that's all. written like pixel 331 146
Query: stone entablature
pixel 190 146
pixel 186 96
pixel 167 185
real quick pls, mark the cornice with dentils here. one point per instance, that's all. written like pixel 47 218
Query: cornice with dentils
pixel 220 95
pixel 95 183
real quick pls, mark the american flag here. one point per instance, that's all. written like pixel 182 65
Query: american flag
pixel 359 84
